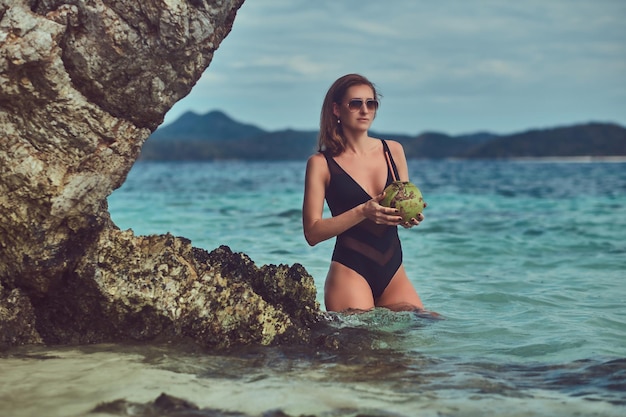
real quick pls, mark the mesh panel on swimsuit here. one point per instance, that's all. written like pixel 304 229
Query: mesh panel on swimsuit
pixel 370 249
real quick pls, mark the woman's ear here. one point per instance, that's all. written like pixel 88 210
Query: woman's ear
pixel 336 110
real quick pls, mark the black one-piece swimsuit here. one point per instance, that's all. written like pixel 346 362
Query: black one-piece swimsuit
pixel 372 250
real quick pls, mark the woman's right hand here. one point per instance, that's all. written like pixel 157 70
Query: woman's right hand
pixel 373 211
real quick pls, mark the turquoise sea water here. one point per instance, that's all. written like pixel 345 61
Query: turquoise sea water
pixel 525 260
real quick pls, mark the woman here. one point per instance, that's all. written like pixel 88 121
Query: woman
pixel 350 172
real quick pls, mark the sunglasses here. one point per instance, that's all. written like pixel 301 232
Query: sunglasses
pixel 356 103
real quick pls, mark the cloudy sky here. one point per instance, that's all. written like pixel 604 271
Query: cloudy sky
pixel 453 66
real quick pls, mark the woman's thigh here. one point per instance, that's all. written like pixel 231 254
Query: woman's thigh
pixel 400 294
pixel 346 290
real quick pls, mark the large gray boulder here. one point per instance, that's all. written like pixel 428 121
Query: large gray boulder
pixel 82 85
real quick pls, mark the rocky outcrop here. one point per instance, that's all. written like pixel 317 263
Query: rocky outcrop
pixel 82 85
pixel 160 287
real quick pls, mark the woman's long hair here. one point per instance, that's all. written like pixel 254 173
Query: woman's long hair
pixel 331 137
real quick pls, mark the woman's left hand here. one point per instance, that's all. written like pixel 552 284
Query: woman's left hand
pixel 413 222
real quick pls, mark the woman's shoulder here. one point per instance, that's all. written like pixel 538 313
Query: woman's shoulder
pixel 317 160
pixel 394 146
pixel 317 167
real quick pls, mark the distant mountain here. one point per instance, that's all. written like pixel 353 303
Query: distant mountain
pixel 215 136
pixel 591 139
pixel 213 126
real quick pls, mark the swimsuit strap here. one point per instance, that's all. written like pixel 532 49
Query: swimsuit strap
pixel 390 160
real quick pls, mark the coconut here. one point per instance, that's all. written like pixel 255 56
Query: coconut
pixel 404 196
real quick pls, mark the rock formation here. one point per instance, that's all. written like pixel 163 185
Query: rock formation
pixel 82 85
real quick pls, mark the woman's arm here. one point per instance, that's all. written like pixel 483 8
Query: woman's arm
pixel 318 229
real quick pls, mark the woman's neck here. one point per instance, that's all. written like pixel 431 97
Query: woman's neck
pixel 359 143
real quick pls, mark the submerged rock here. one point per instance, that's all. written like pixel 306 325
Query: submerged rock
pixel 169 406
pixel 82 85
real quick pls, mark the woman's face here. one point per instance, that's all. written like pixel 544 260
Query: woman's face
pixel 357 109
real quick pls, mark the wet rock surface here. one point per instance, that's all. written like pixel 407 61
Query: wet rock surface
pixel 169 406
pixel 82 85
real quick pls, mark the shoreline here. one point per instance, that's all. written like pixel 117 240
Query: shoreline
pixel 617 159
pixel 575 159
